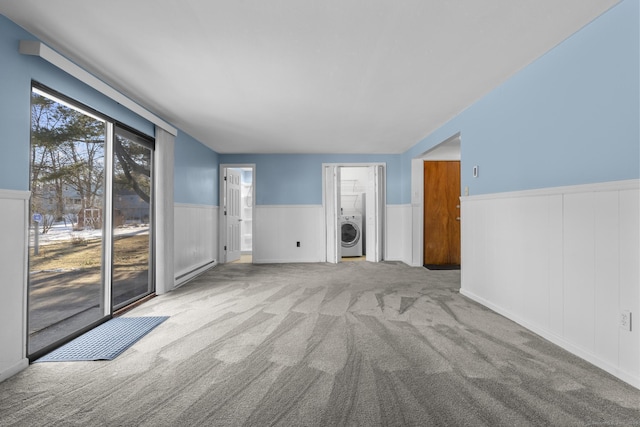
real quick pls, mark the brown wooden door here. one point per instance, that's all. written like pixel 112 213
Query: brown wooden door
pixel 442 212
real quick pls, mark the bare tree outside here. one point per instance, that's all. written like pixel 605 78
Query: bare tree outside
pixel 132 182
pixel 67 182
pixel 67 161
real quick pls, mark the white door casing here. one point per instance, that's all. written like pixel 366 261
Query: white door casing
pixel 375 213
pixel 332 209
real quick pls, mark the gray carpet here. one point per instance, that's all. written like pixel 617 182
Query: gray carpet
pixel 323 345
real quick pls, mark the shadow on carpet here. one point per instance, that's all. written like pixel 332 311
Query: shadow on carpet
pixel 442 266
pixel 105 342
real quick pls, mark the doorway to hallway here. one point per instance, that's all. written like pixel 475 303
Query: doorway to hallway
pixel 237 195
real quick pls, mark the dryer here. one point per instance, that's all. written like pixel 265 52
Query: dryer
pixel 351 231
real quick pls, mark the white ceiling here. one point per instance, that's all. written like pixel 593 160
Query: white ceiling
pixel 304 76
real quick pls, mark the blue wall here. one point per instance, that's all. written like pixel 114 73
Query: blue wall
pixel 296 179
pixel 571 117
pixel 196 172
pixel 196 165
pixel 16 74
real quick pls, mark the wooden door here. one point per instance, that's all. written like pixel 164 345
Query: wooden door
pixel 442 213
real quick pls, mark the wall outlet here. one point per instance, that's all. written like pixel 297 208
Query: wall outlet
pixel 625 320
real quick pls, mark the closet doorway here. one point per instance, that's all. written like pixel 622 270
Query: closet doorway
pixel 354 181
pixel 354 206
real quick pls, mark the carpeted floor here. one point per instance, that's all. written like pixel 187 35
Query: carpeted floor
pixel 323 345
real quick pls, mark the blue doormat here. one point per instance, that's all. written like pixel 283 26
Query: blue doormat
pixel 105 342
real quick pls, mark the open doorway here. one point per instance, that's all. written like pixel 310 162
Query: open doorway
pixel 237 194
pixel 354 181
pixel 354 201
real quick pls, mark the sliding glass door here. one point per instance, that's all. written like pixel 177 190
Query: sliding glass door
pixel 66 248
pixel 132 218
pixel 90 237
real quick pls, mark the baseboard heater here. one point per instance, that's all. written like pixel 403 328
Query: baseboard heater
pixel 185 277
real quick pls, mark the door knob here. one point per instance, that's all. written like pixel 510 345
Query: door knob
pixel 457 218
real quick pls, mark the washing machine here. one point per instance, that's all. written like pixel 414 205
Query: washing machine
pixel 351 226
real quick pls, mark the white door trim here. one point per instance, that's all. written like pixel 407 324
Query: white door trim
pixel 375 218
pixel 331 204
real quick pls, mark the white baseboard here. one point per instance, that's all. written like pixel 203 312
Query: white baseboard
pixel 195 238
pixel 14 369
pixel 286 261
pixel 570 347
pixel 184 277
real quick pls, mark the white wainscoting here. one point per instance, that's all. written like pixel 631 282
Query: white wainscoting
pixel 563 262
pixel 196 239
pixel 14 208
pixel 398 234
pixel 279 227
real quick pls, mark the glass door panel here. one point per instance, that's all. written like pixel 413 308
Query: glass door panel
pixel 66 250
pixel 132 218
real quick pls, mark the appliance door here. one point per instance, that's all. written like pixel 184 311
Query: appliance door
pixel 350 234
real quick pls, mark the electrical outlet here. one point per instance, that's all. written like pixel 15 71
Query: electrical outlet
pixel 625 320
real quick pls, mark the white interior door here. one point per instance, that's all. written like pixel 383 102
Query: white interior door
pixel 233 214
pixel 332 210
pixel 375 208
